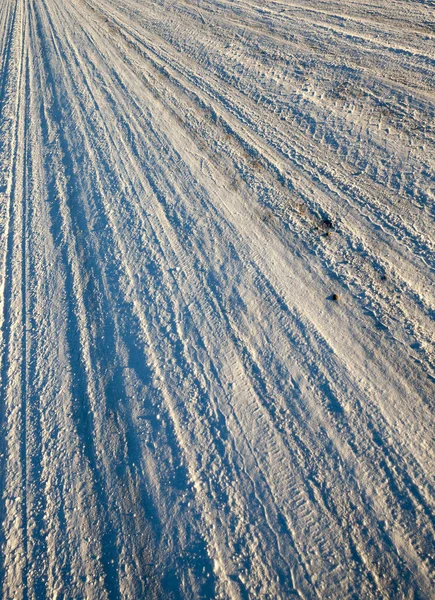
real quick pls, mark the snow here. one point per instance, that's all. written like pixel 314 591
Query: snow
pixel 217 299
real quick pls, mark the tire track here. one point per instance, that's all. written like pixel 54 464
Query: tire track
pixel 69 228
pixel 13 345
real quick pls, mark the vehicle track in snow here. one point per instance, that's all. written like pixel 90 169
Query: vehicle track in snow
pixel 186 413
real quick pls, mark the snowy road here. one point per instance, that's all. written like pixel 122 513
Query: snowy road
pixel 186 411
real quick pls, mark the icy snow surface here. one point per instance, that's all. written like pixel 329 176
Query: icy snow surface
pixel 217 299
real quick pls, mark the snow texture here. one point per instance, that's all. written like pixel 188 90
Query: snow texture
pixel 217 299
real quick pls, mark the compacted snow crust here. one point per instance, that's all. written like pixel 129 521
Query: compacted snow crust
pixel 217 299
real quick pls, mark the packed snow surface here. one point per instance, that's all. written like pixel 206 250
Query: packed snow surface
pixel 217 299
